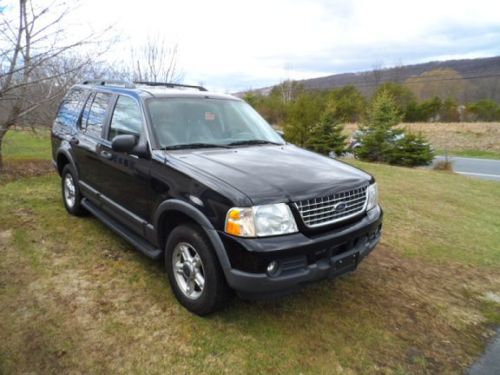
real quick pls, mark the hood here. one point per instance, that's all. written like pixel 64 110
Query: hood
pixel 272 174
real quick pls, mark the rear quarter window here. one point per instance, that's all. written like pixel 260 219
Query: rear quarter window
pixel 70 108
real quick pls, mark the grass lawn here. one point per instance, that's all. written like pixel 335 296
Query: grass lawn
pixel 26 144
pixel 76 298
pixel 471 154
pixel 26 153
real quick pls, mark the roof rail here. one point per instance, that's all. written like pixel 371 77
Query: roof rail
pixel 169 84
pixel 103 82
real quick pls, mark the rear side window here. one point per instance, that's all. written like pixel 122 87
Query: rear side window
pixel 127 118
pixel 70 108
pixel 97 114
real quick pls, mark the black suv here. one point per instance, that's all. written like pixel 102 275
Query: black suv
pixel 203 182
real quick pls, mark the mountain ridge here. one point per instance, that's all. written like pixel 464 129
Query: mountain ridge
pixel 481 74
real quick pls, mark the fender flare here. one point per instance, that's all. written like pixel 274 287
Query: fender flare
pixel 198 217
pixel 67 154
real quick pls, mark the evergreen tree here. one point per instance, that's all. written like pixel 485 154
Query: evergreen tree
pixel 302 114
pixel 382 142
pixel 411 150
pixel 378 133
pixel 327 136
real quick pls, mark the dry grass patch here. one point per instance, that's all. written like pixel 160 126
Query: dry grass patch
pixel 15 169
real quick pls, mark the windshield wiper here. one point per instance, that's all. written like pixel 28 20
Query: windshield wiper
pixel 193 145
pixel 254 142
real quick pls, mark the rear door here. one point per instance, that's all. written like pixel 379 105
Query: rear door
pixel 89 159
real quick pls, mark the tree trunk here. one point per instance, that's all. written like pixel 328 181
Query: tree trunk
pixel 4 128
pixel 2 133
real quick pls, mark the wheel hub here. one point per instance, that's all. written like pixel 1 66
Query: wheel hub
pixel 188 270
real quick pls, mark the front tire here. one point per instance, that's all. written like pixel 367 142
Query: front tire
pixel 71 191
pixel 194 272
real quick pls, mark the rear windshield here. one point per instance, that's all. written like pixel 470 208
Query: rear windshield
pixel 190 121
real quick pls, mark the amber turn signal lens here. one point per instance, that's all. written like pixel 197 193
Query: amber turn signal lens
pixel 233 228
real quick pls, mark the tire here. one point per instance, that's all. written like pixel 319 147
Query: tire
pixel 70 190
pixel 191 264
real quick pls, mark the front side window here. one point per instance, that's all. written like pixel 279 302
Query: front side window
pixel 97 114
pixel 127 118
pixel 186 122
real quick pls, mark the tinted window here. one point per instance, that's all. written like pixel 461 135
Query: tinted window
pixel 127 118
pixel 97 114
pixel 70 108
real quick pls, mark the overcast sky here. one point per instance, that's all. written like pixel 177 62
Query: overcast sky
pixel 232 45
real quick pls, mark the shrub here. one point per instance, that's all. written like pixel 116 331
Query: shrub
pixel 484 110
pixel 443 165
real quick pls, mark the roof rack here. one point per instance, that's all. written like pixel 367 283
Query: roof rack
pixel 169 84
pixel 102 82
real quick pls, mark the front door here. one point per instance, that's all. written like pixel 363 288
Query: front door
pixel 127 182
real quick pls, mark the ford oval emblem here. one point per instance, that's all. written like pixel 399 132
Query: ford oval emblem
pixel 339 207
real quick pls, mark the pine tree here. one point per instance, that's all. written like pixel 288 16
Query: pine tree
pixel 327 136
pixel 382 142
pixel 378 132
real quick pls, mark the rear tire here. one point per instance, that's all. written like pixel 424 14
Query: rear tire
pixel 194 272
pixel 70 189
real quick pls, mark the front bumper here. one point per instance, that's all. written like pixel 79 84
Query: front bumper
pixel 301 259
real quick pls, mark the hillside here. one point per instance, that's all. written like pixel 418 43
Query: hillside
pixel 481 77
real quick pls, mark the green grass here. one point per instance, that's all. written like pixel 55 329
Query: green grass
pixel 76 298
pixel 25 144
pixel 472 154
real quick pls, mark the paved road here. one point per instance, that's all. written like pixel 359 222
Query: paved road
pixel 487 169
pixel 489 363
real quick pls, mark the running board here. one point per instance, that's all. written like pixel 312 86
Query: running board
pixel 139 243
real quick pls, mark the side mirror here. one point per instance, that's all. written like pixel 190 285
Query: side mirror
pixel 124 143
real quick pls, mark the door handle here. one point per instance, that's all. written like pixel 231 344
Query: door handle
pixel 106 154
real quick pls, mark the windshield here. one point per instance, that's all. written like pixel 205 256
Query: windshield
pixel 197 123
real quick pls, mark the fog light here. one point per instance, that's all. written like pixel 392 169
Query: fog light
pixel 272 267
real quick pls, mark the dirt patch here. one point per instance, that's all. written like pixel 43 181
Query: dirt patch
pixel 16 169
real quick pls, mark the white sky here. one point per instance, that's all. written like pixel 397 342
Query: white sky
pixel 236 45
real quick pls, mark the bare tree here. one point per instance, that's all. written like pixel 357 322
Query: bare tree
pixel 377 73
pixel 156 61
pixel 397 72
pixel 33 44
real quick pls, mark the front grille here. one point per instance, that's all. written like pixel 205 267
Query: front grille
pixel 326 210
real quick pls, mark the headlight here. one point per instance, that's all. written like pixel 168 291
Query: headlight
pixel 260 221
pixel 372 197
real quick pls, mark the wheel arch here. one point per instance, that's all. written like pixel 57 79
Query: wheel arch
pixel 62 159
pixel 173 212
